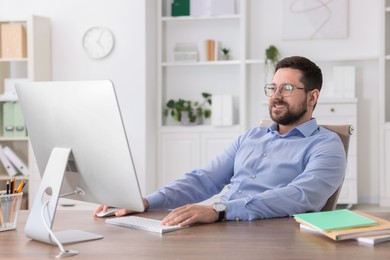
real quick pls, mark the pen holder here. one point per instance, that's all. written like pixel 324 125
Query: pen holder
pixel 9 210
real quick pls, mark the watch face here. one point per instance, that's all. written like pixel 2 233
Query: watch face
pixel 219 207
pixel 98 42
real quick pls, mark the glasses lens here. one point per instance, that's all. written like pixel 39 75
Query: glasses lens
pixel 269 90
pixel 286 90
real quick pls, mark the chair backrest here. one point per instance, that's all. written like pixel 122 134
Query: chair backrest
pixel 344 132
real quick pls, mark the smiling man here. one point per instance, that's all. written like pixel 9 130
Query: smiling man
pixel 291 167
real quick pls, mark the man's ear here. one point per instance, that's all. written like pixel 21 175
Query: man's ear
pixel 314 95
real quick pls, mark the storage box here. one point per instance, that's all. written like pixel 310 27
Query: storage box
pixel 13 41
pixel 212 7
pixel 185 52
pixel 180 7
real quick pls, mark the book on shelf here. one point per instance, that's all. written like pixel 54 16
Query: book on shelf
pixel 381 228
pixel 212 49
pixel 335 219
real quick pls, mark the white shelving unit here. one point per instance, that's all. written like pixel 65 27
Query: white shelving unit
pixel 182 148
pixel 35 67
pixel 384 115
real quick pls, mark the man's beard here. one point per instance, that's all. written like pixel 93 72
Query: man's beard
pixel 289 117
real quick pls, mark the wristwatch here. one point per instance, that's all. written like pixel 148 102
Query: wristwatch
pixel 220 208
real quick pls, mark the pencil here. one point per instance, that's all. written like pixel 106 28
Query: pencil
pixel 1 217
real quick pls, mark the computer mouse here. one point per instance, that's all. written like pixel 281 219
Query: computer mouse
pixel 108 213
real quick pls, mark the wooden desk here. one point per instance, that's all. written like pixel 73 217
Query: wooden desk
pixel 265 239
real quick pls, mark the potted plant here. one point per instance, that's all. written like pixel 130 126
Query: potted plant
pixel 272 56
pixel 225 54
pixel 189 112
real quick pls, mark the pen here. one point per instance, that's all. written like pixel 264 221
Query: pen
pixel 7 187
pixel 12 186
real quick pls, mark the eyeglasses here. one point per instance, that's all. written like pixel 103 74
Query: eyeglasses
pixel 284 89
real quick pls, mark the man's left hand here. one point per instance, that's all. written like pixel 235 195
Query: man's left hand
pixel 191 214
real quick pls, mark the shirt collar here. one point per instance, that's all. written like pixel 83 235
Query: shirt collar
pixel 306 129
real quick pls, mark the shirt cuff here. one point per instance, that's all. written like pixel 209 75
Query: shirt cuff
pixel 154 199
pixel 235 210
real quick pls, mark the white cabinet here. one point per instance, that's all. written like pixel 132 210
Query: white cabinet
pixel 384 105
pixel 181 150
pixel 36 66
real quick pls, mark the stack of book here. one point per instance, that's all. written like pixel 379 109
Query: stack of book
pixel 346 224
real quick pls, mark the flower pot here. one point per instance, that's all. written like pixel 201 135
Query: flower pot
pixel 185 120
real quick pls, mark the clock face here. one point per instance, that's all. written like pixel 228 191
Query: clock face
pixel 98 42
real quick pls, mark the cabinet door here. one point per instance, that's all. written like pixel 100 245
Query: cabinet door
pixel 214 144
pixel 385 191
pixel 179 153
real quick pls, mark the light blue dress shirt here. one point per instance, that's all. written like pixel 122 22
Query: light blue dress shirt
pixel 267 174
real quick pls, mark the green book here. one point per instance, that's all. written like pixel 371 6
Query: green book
pixel 333 220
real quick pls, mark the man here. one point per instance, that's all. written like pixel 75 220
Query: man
pixel 293 166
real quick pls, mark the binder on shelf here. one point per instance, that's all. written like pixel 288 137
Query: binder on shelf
pixel 6 163
pixel 19 125
pixel 16 161
pixel 13 121
pixel 8 119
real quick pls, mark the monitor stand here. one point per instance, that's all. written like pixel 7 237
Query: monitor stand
pixel 41 217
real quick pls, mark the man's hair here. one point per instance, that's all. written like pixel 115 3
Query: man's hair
pixel 311 73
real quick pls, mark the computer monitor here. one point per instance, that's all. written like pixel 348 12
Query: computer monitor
pixel 81 148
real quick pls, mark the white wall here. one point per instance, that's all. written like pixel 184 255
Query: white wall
pixel 131 65
pixel 127 66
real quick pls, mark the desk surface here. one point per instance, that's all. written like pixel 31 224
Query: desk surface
pixel 265 239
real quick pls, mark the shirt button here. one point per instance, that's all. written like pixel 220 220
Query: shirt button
pixel 253 176
pixel 239 191
pixel 264 155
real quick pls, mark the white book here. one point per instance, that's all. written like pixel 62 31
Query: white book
pixel 372 240
pixel 16 161
pixel 6 163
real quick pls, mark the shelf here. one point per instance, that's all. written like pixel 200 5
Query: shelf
pixel 199 128
pixel 13 139
pixel 14 60
pixel 7 177
pixel 200 18
pixel 201 63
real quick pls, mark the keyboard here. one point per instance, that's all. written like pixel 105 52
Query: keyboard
pixel 148 224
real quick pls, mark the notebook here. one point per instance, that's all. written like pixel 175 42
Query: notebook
pixel 333 220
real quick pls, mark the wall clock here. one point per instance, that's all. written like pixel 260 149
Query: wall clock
pixel 98 42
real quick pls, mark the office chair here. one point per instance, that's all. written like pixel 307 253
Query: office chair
pixel 344 132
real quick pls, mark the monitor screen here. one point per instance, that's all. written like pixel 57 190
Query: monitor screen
pixel 84 117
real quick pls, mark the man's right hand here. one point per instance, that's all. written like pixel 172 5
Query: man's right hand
pixel 119 212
